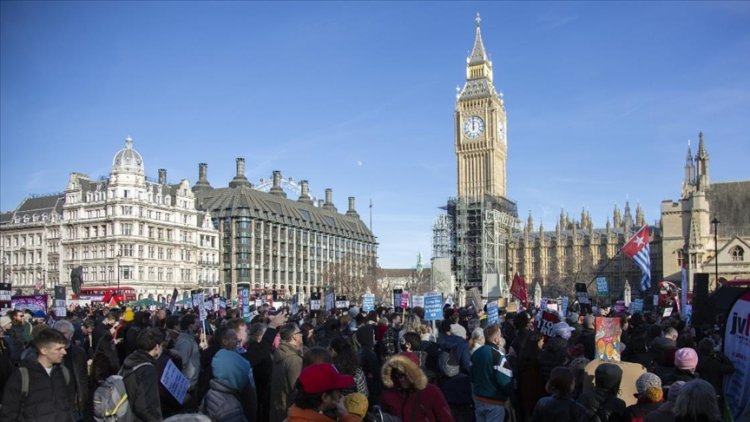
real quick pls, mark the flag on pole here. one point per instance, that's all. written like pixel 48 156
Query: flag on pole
pixel 518 289
pixel 638 250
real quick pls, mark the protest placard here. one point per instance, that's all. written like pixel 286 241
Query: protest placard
pixel 417 301
pixel 397 298
pixel 404 300
pixel 492 314
pixel 174 381
pixel 245 302
pixel 341 302
pixel 368 302
pixel 636 306
pixel 601 285
pixel 329 299
pixel 545 323
pixel 315 301
pixel 433 306
pixel 173 300
pixel 607 338
pixel 34 303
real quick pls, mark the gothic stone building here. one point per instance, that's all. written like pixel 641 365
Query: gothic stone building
pixel 689 237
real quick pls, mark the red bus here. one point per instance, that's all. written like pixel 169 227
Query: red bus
pixel 108 296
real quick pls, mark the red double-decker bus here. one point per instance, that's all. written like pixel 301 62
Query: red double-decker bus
pixel 109 296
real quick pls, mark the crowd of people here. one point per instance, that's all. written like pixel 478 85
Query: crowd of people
pixel 350 365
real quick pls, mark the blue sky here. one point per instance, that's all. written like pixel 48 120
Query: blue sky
pixel 359 97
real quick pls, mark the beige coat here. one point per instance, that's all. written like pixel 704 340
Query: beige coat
pixel 287 365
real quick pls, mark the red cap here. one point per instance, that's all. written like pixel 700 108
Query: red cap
pixel 322 377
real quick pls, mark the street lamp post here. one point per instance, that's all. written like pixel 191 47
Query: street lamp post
pixel 716 223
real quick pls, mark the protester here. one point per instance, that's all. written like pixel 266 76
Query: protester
pixel 559 407
pixel 697 403
pixel 477 340
pixel 587 336
pixel 231 396
pixel 555 350
pixel 491 378
pixel 141 377
pixel 187 348
pixel 713 366
pixel 319 390
pixel 602 402
pixel 345 360
pixel 665 412
pixel 685 362
pixel 287 365
pixel 409 396
pixel 76 362
pixel 650 397
pixel 50 396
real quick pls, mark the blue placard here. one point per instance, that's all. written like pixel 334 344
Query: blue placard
pixel 492 315
pixel 368 303
pixel 174 381
pixel 433 307
pixel 636 305
pixel 601 285
pixel 245 302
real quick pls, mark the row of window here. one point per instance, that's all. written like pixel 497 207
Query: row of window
pixel 141 273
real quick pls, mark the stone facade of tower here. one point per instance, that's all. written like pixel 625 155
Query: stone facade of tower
pixel 480 129
pixel 688 234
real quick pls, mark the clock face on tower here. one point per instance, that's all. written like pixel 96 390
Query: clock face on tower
pixel 473 127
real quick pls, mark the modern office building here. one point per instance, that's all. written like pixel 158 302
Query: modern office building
pixel 274 244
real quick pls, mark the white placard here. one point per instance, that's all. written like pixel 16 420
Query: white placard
pixel 174 381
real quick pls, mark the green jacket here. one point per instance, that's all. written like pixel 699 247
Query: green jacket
pixel 490 373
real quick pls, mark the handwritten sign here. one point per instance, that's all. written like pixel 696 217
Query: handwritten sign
pixel 176 383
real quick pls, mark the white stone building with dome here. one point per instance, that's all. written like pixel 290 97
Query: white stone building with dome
pixel 144 233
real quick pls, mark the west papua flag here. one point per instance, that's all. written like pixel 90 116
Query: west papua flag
pixel 518 289
pixel 638 250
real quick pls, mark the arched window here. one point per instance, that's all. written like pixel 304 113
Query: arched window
pixel 737 253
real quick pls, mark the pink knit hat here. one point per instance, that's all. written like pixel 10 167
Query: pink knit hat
pixel 686 358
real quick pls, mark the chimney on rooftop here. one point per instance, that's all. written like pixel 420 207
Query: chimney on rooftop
pixel 328 204
pixel 352 211
pixel 276 187
pixel 239 178
pixel 304 195
pixel 162 176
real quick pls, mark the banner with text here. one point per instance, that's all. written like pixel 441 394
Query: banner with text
pixel 737 350
pixel 433 306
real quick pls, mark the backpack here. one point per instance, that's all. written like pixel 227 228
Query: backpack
pixel 25 383
pixel 448 363
pixel 111 398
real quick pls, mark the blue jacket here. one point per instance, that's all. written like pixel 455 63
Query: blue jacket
pixel 490 373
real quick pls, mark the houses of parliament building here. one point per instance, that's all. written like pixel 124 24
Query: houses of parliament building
pixel 480 241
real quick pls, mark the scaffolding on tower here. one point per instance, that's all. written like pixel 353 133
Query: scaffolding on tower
pixel 479 230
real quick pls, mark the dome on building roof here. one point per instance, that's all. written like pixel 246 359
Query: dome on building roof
pixel 128 159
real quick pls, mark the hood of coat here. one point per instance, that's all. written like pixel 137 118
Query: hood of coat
pixel 221 387
pixel 285 351
pixel 405 366
pixel 231 369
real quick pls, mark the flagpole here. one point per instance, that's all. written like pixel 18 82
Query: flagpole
pixel 598 273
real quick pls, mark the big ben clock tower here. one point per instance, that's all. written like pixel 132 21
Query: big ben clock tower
pixel 480 129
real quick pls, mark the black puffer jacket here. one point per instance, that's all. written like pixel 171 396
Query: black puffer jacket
pixel 602 404
pixel 553 355
pixel 50 398
pixel 222 403
pixel 558 409
pixel 142 386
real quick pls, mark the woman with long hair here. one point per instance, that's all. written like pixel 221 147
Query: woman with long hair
pixel 345 360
